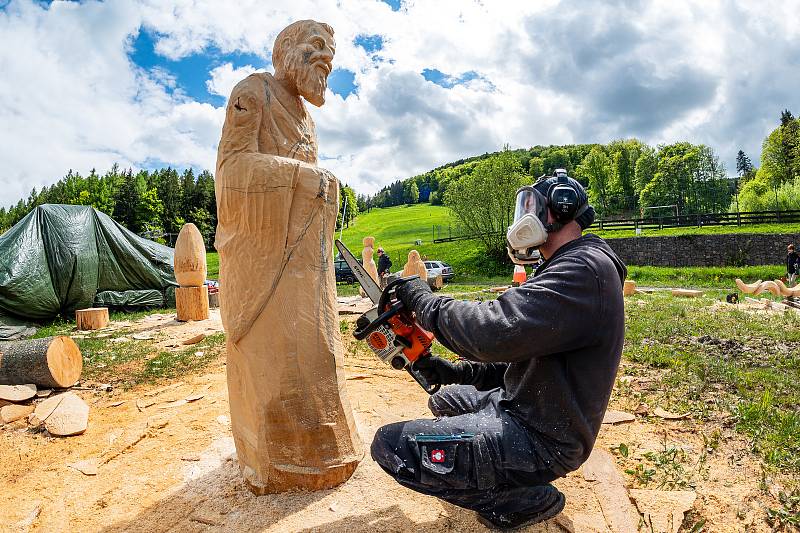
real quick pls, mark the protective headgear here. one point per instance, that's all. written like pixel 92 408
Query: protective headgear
pixel 566 199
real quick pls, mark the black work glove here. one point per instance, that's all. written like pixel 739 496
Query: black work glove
pixel 439 371
pixel 411 291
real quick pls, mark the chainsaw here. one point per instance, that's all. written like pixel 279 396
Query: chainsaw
pixel 389 329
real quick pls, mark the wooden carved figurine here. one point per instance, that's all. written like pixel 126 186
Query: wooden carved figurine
pixel 367 258
pixel 191 298
pixel 292 421
pixel 415 266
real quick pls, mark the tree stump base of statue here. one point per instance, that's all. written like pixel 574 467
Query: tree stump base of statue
pixel 91 318
pixel 191 303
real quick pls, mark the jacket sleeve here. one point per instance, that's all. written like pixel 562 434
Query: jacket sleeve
pixel 484 376
pixel 552 312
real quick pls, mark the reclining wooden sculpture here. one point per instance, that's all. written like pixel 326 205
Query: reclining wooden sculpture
pixel 292 421
pixel 777 287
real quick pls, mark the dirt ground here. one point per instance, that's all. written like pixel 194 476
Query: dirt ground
pixel 164 464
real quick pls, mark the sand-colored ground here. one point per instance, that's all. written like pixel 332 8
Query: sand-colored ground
pixel 166 465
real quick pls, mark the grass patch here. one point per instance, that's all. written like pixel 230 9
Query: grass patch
pixel 722 278
pixel 174 364
pixel 212 262
pixel 693 230
pixel 723 362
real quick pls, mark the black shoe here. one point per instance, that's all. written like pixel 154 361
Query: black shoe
pixel 514 521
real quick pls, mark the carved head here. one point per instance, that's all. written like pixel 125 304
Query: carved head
pixel 303 53
pixel 413 257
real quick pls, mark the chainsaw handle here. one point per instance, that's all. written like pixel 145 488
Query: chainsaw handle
pixel 361 334
pixel 419 378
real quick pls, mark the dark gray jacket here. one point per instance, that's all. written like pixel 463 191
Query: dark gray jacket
pixel 553 345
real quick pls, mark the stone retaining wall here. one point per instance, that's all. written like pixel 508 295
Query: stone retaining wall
pixel 733 249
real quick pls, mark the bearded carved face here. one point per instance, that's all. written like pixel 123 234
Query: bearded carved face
pixel 309 61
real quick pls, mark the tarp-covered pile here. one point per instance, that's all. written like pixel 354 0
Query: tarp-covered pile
pixel 65 257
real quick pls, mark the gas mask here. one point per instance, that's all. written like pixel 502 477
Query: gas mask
pixel 529 229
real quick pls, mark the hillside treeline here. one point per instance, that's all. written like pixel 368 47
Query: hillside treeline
pixel 776 183
pixel 624 178
pixel 155 203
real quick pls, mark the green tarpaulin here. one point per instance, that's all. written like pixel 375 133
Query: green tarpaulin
pixel 61 257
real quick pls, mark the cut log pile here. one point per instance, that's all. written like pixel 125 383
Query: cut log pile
pixel 52 362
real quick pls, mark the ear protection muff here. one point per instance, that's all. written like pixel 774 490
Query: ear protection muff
pixel 563 200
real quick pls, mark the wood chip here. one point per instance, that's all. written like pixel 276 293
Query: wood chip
pixel 610 492
pixel 642 409
pixel 71 417
pixel 194 340
pixel 190 458
pixel 43 393
pixel 121 339
pixel 87 467
pixel 17 393
pixel 163 389
pixel 204 520
pixel 224 420
pixel 142 336
pixel 115 404
pixel 667 415
pixel 359 376
pixel 170 405
pixel 141 404
pixel 45 409
pixel 194 397
pixel 664 510
pixel 617 417
pixel 13 412
pixel 32 516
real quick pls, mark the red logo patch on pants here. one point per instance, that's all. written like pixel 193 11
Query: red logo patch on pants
pixel 437 456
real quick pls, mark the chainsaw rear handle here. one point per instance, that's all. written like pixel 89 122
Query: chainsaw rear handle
pixel 385 309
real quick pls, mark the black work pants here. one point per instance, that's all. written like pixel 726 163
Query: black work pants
pixel 474 455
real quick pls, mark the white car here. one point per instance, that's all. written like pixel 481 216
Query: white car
pixel 436 268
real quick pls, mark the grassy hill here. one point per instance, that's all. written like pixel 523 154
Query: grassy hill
pixel 397 228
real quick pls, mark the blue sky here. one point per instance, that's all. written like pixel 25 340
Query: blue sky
pixel 415 85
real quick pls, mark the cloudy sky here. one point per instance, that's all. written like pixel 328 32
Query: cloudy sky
pixel 417 83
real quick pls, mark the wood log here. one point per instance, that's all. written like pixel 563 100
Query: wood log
pixel 436 282
pixel 53 362
pixel 191 303
pixel 687 293
pixel 190 257
pixel 91 318
pixel 629 289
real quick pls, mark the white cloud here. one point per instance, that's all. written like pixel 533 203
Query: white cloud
pixel 225 77
pixel 552 72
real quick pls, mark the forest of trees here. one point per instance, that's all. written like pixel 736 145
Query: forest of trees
pixel 155 203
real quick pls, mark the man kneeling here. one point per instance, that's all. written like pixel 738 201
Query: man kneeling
pixel 526 405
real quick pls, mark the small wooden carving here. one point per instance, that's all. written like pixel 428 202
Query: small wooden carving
pixel 91 318
pixel 367 258
pixel 415 266
pixel 191 298
pixel 291 419
pixel 190 257
pixel 786 291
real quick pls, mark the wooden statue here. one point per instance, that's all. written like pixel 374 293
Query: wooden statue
pixel 292 421
pixel 367 258
pixel 415 266
pixel 191 298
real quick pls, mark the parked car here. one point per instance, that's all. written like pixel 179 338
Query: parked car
pixel 436 268
pixel 344 273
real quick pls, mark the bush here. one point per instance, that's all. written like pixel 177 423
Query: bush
pixel 759 195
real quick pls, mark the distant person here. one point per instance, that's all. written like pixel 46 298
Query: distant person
pixel 792 264
pixel 384 264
